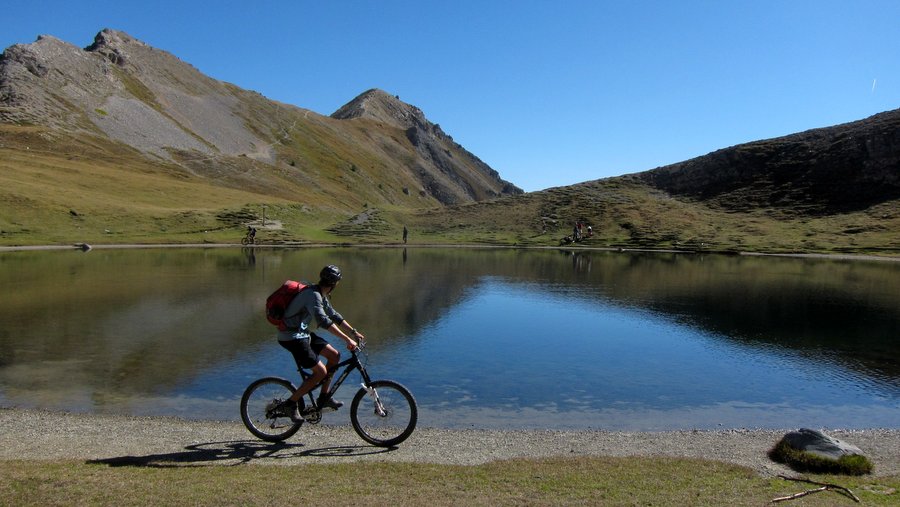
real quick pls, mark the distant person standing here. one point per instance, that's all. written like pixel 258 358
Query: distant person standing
pixel 405 234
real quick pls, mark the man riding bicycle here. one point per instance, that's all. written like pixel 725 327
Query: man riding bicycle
pixel 306 346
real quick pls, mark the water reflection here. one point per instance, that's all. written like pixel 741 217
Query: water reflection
pixel 485 337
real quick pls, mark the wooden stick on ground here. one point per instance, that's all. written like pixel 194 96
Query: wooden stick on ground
pixel 798 495
pixel 823 487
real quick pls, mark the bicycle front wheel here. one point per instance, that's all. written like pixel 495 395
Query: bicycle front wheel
pixel 259 413
pixel 384 414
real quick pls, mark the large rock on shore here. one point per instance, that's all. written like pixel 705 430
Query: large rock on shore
pixel 818 443
pixel 814 451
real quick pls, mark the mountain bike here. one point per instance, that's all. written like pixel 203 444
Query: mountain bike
pixel 383 412
pixel 249 239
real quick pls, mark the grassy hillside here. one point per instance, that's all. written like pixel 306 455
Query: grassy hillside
pixel 57 190
pixel 100 193
pixel 832 190
pixel 626 213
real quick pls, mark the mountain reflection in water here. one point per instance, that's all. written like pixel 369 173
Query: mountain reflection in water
pixel 483 337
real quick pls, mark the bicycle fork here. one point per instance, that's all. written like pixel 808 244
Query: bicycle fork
pixel 379 407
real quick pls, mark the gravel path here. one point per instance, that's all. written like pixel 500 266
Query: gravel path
pixel 40 435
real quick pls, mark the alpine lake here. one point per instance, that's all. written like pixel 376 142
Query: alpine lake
pixel 483 337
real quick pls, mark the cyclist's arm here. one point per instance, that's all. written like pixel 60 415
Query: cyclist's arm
pixel 332 321
pixel 351 331
pixel 336 330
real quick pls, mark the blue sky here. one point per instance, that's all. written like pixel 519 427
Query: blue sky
pixel 548 93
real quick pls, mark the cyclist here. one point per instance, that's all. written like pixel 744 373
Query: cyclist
pixel 306 347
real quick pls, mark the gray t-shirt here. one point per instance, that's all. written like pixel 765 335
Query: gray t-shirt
pixel 309 304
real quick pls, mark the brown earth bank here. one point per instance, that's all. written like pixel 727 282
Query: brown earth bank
pixel 161 441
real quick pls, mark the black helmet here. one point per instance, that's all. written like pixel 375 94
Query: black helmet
pixel 330 275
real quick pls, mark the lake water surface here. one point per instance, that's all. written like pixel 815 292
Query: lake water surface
pixel 485 338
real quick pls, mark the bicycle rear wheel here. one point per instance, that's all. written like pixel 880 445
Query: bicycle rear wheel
pixel 258 409
pixel 386 416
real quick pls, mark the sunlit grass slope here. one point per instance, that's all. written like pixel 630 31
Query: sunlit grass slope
pixel 54 189
pixel 625 213
pixel 337 185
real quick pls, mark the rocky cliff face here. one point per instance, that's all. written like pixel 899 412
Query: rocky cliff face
pixel 126 91
pixel 446 169
pixel 829 170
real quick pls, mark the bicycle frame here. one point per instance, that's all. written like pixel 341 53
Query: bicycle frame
pixel 350 364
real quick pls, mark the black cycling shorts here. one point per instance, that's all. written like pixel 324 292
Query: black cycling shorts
pixel 306 351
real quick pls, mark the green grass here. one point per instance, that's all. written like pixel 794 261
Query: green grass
pixel 575 481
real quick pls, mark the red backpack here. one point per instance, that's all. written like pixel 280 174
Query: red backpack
pixel 278 301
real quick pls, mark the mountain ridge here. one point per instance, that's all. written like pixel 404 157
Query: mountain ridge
pixel 148 99
pixel 843 167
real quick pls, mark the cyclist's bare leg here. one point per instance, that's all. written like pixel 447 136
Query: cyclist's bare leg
pixel 333 357
pixel 318 373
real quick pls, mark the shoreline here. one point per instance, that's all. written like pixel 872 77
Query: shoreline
pixel 31 434
pixel 800 255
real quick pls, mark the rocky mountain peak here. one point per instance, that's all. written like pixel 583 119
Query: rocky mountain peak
pixel 113 39
pixel 113 45
pixel 126 90
pixel 383 107
pixel 439 155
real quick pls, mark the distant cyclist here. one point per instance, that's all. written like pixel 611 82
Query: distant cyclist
pixel 306 347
